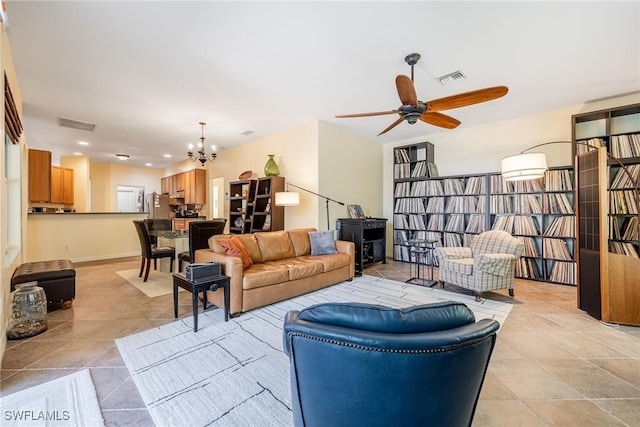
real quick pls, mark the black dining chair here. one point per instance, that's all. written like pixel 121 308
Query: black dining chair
pixel 150 252
pixel 157 224
pixel 199 234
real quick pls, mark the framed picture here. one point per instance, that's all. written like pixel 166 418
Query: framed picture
pixel 356 212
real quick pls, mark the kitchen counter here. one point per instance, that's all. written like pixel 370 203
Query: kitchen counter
pixel 82 236
pixel 91 213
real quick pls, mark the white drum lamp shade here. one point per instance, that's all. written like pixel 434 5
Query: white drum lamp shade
pixel 523 166
pixel 287 198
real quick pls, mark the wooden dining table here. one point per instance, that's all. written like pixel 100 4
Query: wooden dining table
pixel 178 239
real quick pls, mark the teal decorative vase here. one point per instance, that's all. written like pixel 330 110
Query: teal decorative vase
pixel 271 168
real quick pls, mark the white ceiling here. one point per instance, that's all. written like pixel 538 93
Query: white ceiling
pixel 147 72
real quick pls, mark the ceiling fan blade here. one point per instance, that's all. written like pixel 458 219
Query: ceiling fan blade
pixel 392 125
pixel 379 113
pixel 467 98
pixel 406 90
pixel 439 119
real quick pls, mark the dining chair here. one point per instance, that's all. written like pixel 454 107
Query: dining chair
pixel 150 252
pixel 199 234
pixel 157 224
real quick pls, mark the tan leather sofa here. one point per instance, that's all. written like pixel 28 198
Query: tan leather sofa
pixel 283 268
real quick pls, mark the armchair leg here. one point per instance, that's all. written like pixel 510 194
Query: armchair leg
pixel 477 296
pixel 511 293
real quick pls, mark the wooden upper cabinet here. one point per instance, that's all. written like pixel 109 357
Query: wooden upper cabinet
pixel 61 185
pixel 67 186
pixel 165 185
pixel 39 176
pixel 56 184
pixel 181 182
pixel 195 191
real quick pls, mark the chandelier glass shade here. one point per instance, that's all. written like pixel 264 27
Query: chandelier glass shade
pixel 201 154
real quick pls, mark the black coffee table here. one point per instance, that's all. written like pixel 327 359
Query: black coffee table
pixel 200 286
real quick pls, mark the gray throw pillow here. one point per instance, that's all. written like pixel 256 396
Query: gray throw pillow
pixel 322 242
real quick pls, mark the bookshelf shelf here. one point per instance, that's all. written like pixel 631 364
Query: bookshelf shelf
pixel 608 250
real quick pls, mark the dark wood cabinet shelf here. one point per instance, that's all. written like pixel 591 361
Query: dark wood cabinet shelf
pixel 369 237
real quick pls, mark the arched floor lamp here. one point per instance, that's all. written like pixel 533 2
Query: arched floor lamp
pixel 291 198
pixel 525 166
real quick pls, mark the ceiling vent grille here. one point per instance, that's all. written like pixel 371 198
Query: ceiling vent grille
pixel 75 124
pixel 451 78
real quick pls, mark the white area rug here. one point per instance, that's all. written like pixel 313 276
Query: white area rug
pixel 67 401
pixel 235 373
pixel 158 283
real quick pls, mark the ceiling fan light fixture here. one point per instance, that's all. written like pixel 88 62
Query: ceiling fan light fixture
pixel 451 78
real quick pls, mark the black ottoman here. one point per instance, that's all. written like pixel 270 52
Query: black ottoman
pixel 56 277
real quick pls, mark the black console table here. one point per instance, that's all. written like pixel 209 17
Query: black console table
pixel 369 236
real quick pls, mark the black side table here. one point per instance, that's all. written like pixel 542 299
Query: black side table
pixel 421 253
pixel 207 284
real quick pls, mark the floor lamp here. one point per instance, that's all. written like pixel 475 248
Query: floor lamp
pixel 291 198
pixel 526 166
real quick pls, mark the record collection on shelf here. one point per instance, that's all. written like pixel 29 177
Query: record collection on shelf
pixel 607 245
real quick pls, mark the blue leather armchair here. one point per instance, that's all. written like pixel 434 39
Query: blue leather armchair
pixel 368 365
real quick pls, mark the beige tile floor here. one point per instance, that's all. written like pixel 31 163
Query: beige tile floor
pixel 553 365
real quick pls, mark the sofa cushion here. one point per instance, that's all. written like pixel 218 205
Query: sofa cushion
pixel 264 274
pixel 299 269
pixel 274 245
pixel 300 240
pixel 248 241
pixel 322 242
pixel 329 262
pixel 234 247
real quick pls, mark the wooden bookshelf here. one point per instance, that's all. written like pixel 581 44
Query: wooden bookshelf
pixel 241 196
pixel 608 252
pixel 541 214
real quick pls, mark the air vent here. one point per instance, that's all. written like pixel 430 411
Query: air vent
pixel 451 78
pixel 247 132
pixel 75 124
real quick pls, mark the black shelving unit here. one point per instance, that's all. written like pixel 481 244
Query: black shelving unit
pixel 369 237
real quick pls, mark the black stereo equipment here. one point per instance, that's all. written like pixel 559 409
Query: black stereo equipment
pixel 202 270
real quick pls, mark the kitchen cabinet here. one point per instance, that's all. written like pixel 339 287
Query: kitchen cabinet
pixel 182 224
pixel 61 185
pixel 191 186
pixel 39 176
pixel 195 187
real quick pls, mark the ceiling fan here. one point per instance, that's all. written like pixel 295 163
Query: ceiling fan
pixel 429 112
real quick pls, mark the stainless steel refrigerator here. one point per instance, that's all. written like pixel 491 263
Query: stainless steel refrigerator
pixel 157 205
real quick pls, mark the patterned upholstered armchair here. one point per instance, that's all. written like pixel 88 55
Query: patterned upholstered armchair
pixel 487 265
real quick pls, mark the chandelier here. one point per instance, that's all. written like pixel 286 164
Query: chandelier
pixel 202 155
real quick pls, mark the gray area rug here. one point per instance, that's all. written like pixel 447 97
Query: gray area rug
pixel 235 373
pixel 67 401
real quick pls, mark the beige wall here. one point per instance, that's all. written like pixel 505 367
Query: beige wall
pixel 82 236
pixel 316 156
pixel 81 195
pixel 106 177
pixel 295 151
pixel 350 171
pixel 7 266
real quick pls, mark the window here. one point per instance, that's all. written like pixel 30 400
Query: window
pixel 12 202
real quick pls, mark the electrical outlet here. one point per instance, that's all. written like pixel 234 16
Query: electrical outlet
pixel 66 248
